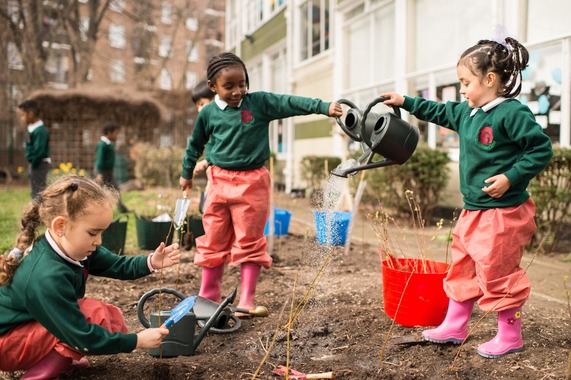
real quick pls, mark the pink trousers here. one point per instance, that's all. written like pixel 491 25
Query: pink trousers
pixel 27 344
pixel 487 249
pixel 235 214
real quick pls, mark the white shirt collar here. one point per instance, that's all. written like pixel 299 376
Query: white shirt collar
pixel 56 248
pixel 106 140
pixel 33 126
pixel 222 104
pixel 489 106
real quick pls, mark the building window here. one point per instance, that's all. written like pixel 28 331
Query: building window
pixel 14 57
pixel 191 51
pixel 14 13
pixel 166 13
pixel 165 80
pixel 56 66
pixel 315 20
pixel 369 33
pixel 117 36
pixel 191 79
pixel 83 27
pixel 192 24
pixel 165 46
pixel 117 5
pixel 117 71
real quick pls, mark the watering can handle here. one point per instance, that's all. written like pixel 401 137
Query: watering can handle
pixel 377 101
pixel 354 136
pixel 140 306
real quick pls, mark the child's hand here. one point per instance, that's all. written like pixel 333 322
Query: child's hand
pixel 500 184
pixel 200 166
pixel 393 99
pixel 151 338
pixel 164 257
pixel 335 110
pixel 185 184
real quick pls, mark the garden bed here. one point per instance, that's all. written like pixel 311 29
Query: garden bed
pixel 342 329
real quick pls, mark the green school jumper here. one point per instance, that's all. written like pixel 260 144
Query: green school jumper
pixel 238 137
pixel 505 139
pixel 45 288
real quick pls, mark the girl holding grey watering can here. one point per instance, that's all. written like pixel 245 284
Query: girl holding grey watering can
pixel 236 126
pixel 46 324
pixel 502 148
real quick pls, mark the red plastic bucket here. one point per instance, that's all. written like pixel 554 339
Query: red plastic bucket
pixel 413 291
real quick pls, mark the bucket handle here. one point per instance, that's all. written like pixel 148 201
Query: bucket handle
pixel 140 306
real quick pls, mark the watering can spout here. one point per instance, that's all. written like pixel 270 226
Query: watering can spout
pixel 347 172
pixel 227 301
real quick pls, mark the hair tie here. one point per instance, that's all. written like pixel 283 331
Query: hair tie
pixel 16 253
pixel 73 187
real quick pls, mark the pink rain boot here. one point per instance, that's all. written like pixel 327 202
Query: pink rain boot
pixel 508 339
pixel 249 273
pixel 454 329
pixel 50 367
pixel 211 279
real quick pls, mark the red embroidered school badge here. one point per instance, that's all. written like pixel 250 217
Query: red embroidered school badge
pixel 247 117
pixel 486 138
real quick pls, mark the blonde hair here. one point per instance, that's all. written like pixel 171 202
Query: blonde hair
pixel 67 196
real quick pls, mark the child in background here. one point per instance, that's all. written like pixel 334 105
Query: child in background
pixel 46 324
pixel 502 148
pixel 37 145
pixel 236 127
pixel 105 160
pixel 201 96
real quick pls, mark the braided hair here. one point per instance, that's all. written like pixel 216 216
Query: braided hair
pixel 68 195
pixel 223 61
pixel 507 60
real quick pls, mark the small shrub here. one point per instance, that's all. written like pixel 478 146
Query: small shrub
pixel 158 166
pixel 425 174
pixel 551 192
pixel 313 169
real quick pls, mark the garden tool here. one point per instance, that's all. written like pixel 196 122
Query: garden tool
pixel 181 321
pixel 293 374
pixel 180 310
pixel 180 210
pixel 407 340
pixel 227 322
pixel 385 134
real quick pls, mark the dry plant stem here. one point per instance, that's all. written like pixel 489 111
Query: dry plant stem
pixel 488 312
pixel 387 336
pixel 161 294
pixel 271 345
pixel 568 370
pixel 418 224
pixel 305 298
pixel 289 326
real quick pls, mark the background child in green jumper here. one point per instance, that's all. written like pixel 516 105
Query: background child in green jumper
pixel 46 324
pixel 201 96
pixel 37 145
pixel 105 160
pixel 502 148
pixel 236 127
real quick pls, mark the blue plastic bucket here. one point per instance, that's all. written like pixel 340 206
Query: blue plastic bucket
pixel 281 222
pixel 332 227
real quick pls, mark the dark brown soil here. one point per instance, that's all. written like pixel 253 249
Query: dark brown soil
pixel 342 328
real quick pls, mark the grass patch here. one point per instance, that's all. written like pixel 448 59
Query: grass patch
pixel 150 202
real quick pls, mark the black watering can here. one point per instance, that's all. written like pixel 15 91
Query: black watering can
pixel 181 339
pixel 385 134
